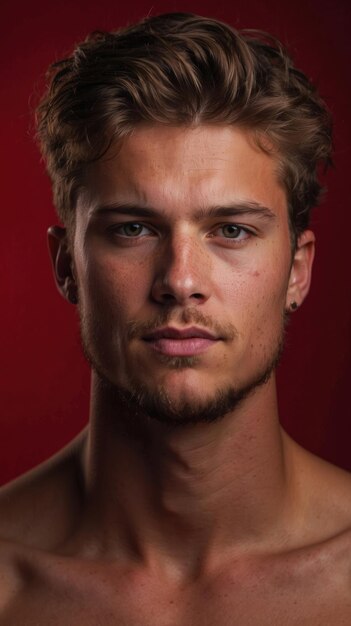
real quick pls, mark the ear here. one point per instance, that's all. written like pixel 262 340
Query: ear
pixel 62 263
pixel 301 270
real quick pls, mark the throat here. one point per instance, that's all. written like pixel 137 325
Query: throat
pixel 185 492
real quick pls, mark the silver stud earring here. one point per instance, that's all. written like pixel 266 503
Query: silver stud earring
pixel 293 306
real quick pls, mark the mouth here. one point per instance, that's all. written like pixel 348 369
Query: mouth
pixel 172 341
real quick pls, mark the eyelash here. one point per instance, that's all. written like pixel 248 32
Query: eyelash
pixel 240 228
pixel 249 233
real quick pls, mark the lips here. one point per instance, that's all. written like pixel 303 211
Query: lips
pixel 179 333
pixel 172 341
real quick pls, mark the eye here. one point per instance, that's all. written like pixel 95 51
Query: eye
pixel 232 231
pixel 131 230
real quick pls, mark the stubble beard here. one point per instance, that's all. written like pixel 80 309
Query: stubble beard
pixel 159 406
pixel 156 404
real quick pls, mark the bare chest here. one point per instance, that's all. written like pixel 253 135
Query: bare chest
pixel 93 594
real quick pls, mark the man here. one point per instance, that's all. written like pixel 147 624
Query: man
pixel 183 157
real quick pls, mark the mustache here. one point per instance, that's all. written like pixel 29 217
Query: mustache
pixel 191 315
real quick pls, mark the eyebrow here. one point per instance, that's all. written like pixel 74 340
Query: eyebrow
pixel 229 210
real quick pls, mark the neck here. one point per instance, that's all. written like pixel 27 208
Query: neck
pixel 187 493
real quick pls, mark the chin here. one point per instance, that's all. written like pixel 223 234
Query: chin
pixel 179 401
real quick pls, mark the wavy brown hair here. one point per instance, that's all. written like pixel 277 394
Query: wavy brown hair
pixel 182 69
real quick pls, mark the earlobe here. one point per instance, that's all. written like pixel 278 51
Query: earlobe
pixel 301 271
pixel 61 259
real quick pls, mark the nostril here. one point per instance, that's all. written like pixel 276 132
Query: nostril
pixel 168 297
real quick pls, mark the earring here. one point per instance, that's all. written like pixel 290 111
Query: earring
pixel 293 306
pixel 72 295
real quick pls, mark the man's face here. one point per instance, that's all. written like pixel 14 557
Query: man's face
pixel 183 230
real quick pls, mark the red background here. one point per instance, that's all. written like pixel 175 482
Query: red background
pixel 44 381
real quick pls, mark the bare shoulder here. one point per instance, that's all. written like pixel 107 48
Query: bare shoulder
pixel 326 491
pixel 34 507
pixel 35 515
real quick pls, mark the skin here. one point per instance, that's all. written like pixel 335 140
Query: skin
pixel 143 522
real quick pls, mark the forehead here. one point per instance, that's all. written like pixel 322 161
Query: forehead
pixel 167 167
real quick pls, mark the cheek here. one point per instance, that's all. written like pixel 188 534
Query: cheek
pixel 256 296
pixel 254 288
pixel 109 297
pixel 113 290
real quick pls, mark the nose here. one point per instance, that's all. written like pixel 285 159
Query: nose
pixel 182 275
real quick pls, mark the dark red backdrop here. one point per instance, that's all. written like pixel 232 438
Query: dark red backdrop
pixel 44 381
